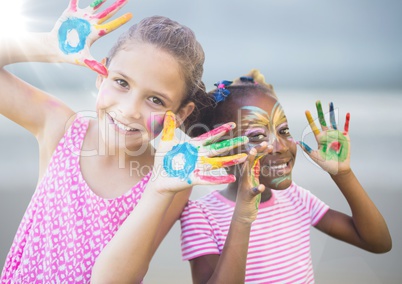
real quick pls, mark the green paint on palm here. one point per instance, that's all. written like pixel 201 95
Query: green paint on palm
pixel 335 146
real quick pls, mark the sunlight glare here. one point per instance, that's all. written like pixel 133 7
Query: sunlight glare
pixel 11 19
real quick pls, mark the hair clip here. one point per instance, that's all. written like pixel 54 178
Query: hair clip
pixel 221 92
pixel 247 79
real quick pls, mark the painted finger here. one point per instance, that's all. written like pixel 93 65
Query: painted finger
pixel 224 146
pixel 258 190
pixel 214 134
pixel 332 115
pixel 305 147
pixel 203 179
pixel 255 172
pixel 169 126
pixel 96 4
pixel 263 149
pixel 346 128
pixel 73 6
pixel 255 178
pixel 312 124
pixel 321 117
pixel 312 154
pixel 109 12
pixel 96 66
pixel 220 162
pixel 112 25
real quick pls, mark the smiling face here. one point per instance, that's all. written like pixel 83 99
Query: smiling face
pixel 260 117
pixel 143 83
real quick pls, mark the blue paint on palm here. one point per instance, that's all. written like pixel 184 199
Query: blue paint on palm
pixel 81 29
pixel 181 161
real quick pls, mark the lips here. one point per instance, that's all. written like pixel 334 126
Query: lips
pixel 122 127
pixel 275 167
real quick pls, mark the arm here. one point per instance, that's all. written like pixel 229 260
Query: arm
pixel 230 266
pixel 29 106
pixel 40 113
pixel 366 228
pixel 125 259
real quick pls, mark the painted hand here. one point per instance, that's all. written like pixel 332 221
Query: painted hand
pixel 181 165
pixel 333 154
pixel 249 190
pixel 77 29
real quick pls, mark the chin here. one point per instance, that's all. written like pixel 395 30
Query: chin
pixel 279 183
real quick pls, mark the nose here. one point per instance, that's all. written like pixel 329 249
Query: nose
pixel 279 144
pixel 130 107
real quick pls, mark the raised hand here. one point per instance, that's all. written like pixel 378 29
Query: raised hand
pixel 77 29
pixel 249 190
pixel 333 153
pixel 181 165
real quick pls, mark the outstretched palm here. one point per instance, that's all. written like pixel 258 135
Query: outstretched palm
pixel 333 153
pixel 181 165
pixel 77 29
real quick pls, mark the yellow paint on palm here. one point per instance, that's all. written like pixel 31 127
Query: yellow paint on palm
pixel 169 126
pixel 312 124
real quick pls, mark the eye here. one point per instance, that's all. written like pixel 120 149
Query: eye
pixel 122 83
pixel 284 131
pixel 257 137
pixel 156 101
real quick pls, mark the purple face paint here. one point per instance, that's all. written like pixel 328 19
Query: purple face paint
pixel 155 124
pixel 73 34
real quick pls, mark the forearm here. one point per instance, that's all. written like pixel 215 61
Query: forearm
pixel 368 221
pixel 126 257
pixel 30 47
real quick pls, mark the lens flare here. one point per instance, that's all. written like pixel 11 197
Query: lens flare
pixel 11 18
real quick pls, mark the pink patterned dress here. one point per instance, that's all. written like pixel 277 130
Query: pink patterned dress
pixel 66 225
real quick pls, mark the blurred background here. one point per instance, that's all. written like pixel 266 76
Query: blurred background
pixel 348 52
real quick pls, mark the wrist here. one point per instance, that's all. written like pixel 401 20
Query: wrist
pixel 345 174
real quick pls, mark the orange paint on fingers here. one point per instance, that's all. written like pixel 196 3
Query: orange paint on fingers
pixel 112 25
pixel 169 126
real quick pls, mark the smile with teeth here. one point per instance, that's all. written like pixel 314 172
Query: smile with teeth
pixel 278 167
pixel 122 126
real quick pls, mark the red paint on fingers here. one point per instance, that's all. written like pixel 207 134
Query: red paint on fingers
pixel 346 128
pixel 96 66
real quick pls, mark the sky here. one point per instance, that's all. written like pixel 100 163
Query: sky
pixel 296 44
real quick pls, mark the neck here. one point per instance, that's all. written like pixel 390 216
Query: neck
pixel 230 192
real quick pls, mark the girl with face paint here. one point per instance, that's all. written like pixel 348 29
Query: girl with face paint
pixel 103 202
pixel 232 236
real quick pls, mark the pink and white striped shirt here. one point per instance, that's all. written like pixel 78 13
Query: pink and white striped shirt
pixel 66 225
pixel 279 246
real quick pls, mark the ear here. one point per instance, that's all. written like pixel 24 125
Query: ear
pixel 184 112
pixel 99 78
